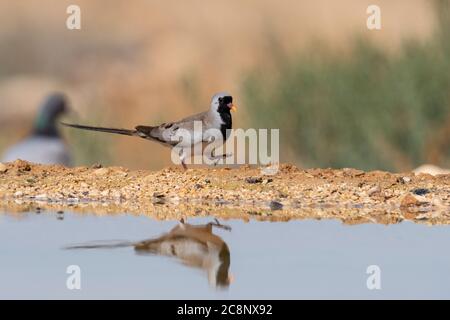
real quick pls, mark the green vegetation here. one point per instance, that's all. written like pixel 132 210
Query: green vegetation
pixel 369 109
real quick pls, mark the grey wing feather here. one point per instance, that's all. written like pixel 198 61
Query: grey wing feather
pixel 174 132
pixel 199 117
pixel 160 134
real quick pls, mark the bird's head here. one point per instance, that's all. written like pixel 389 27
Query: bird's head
pixel 222 102
pixel 54 106
pixel 223 277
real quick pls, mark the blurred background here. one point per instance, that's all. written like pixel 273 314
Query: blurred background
pixel 342 95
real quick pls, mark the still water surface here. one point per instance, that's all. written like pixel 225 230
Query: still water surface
pixel 139 258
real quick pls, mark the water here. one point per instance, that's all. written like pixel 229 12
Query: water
pixel 274 260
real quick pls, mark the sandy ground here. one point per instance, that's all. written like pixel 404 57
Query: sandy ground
pixel 351 195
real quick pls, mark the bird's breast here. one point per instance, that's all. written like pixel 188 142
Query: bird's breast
pixel 226 125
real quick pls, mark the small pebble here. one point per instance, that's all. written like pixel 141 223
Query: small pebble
pixel 404 180
pixel 281 194
pixel 101 171
pixel 158 195
pixel 18 194
pixel 158 198
pixel 253 180
pixel 275 205
pixel 374 191
pixel 420 191
pixel 3 168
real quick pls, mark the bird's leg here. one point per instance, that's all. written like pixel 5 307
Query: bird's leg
pixel 182 155
pixel 213 157
pixel 182 223
pixel 227 155
pixel 217 158
pixel 217 224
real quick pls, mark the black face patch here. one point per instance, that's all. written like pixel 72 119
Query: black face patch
pixel 223 104
pixel 226 100
pixel 225 115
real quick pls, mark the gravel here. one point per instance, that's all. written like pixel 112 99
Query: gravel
pixel 354 196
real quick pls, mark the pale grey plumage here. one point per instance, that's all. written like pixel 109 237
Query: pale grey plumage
pixel 174 133
pixel 39 149
pixel 167 133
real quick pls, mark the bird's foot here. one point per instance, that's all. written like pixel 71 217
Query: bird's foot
pixel 216 159
pixel 217 224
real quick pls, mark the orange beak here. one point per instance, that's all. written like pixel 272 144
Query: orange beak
pixel 233 107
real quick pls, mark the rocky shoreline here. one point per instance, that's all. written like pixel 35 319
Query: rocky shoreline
pixel 351 195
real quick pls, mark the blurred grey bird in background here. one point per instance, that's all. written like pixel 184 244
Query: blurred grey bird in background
pixel 168 134
pixel 44 144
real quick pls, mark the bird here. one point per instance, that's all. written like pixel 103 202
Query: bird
pixel 44 145
pixel 168 134
pixel 195 246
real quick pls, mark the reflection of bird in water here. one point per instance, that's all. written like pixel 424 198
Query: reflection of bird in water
pixel 194 245
pixel 44 145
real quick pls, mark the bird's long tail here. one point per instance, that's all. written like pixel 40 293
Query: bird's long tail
pixel 125 132
pixel 108 244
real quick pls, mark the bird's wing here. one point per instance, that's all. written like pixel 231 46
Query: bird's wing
pixel 196 117
pixel 180 133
